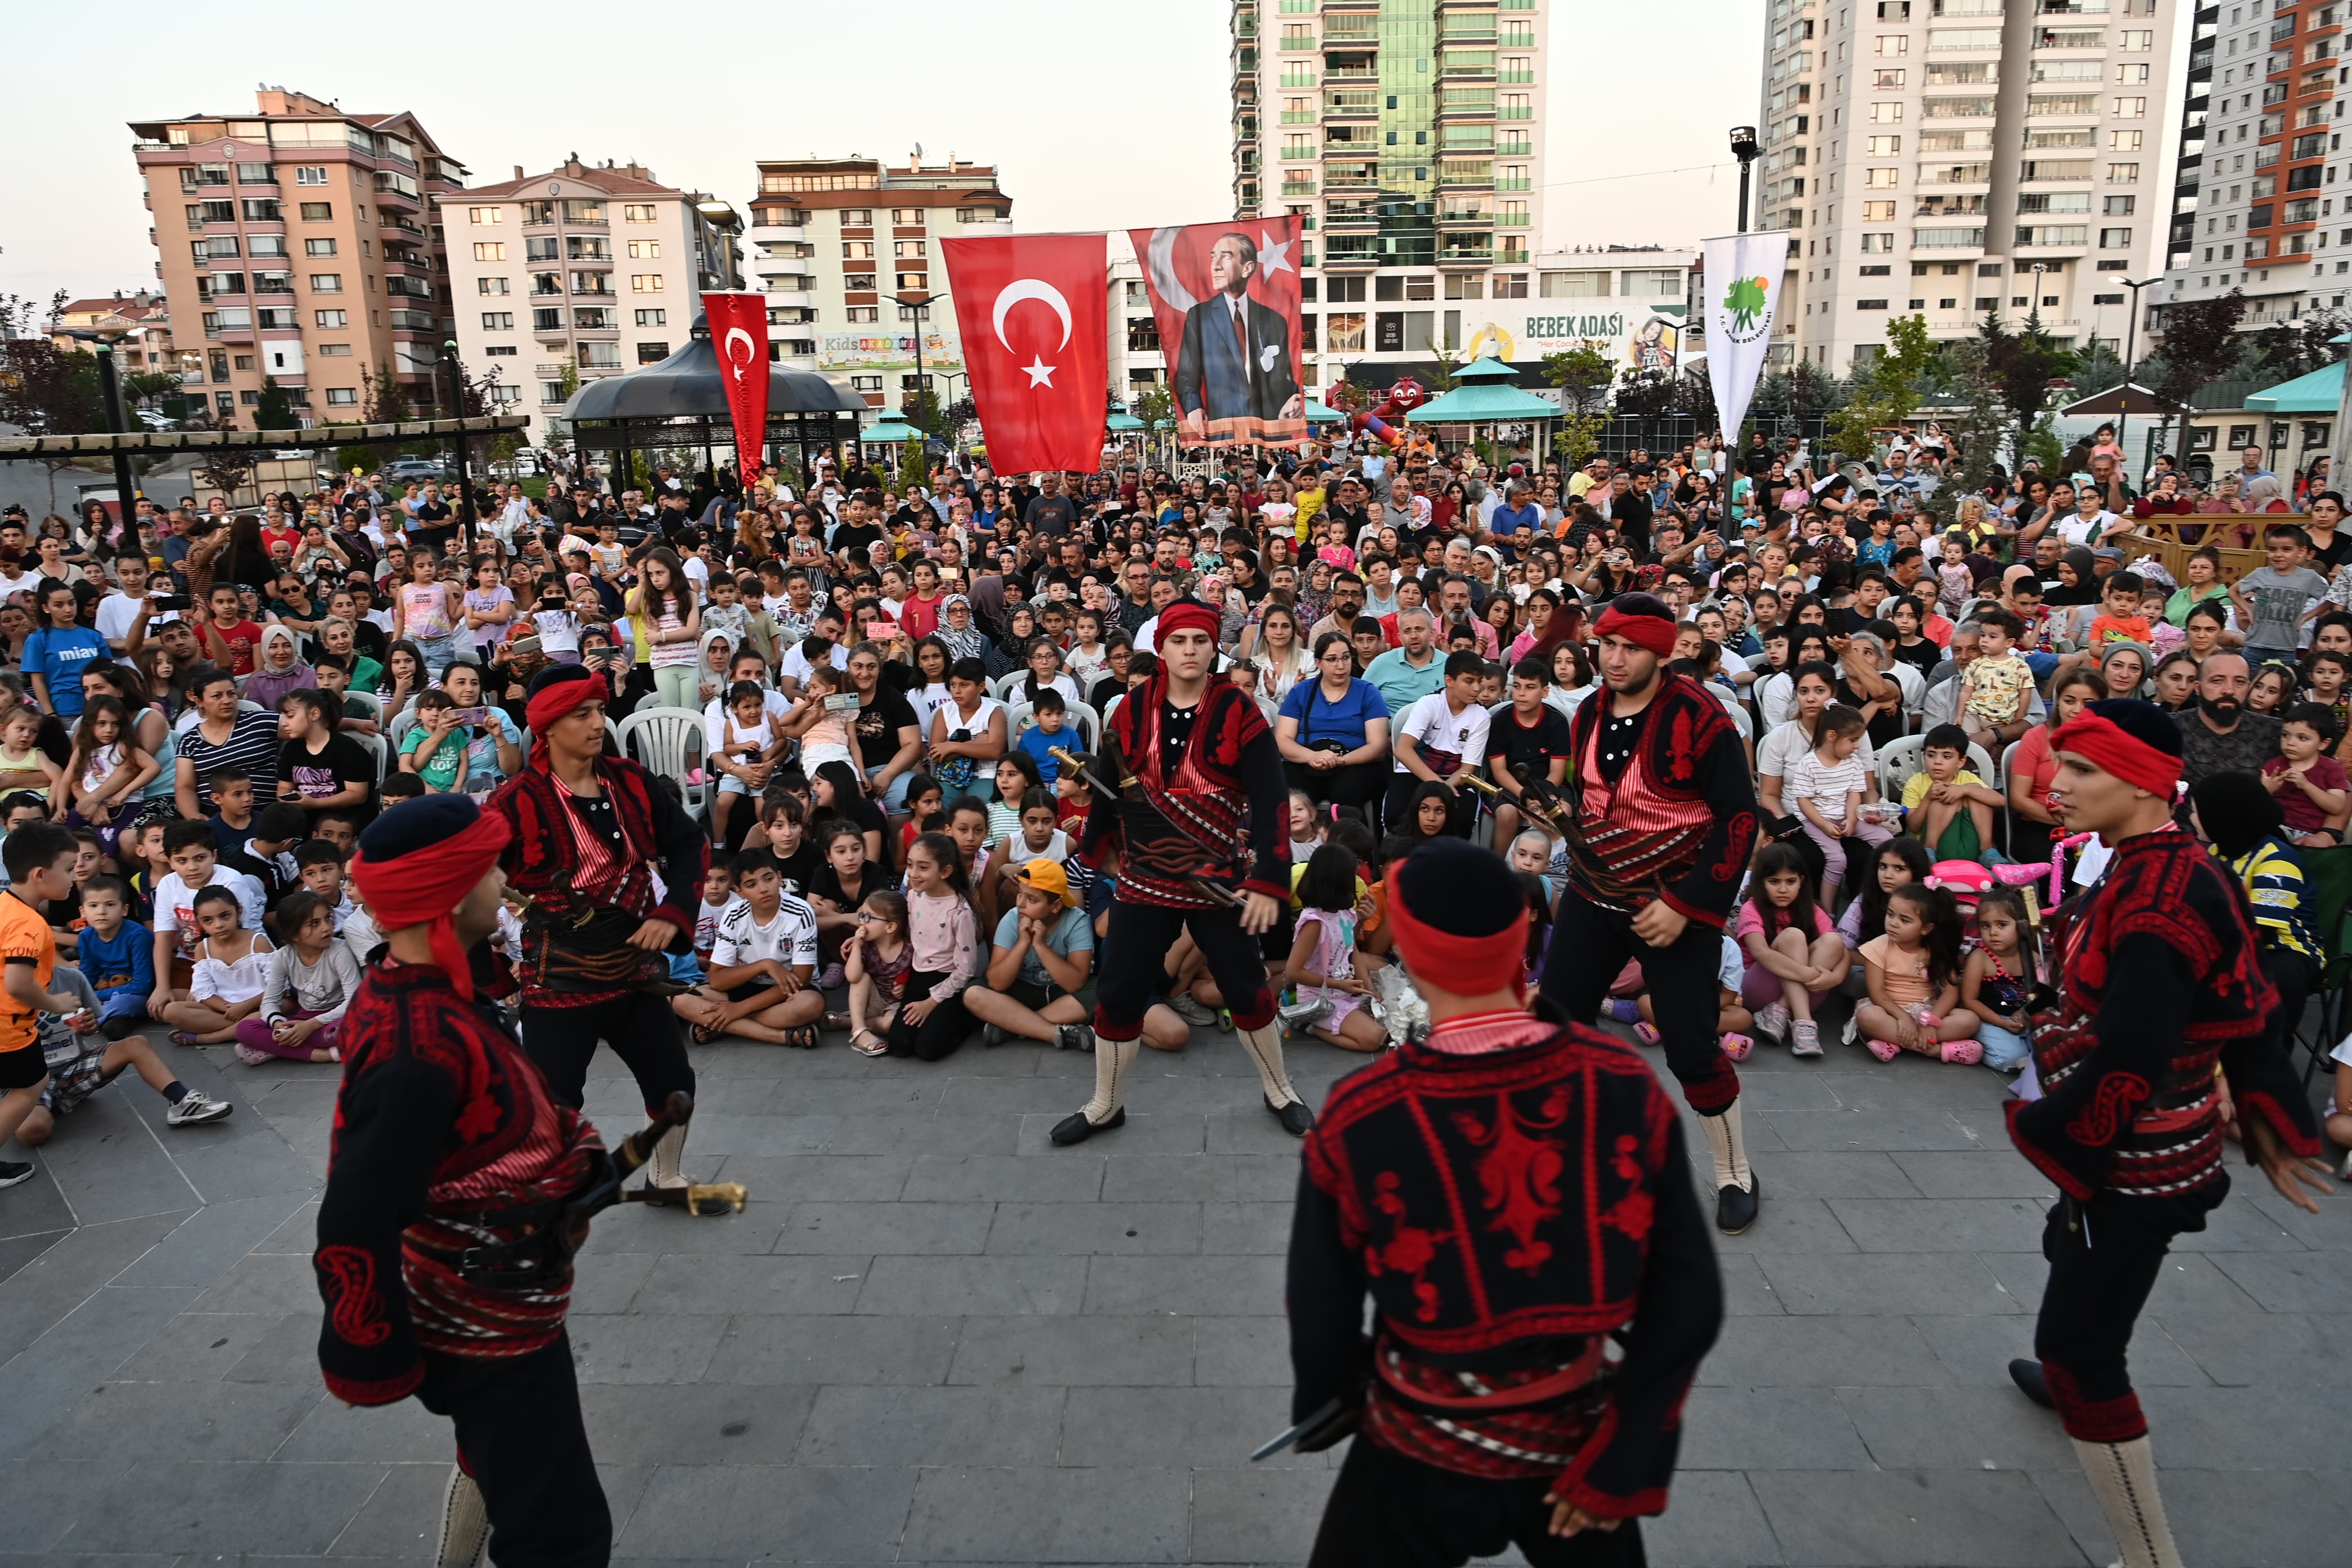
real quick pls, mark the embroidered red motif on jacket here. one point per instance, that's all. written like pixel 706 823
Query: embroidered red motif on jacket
pixel 1518 1177
pixel 1410 1249
pixel 359 1311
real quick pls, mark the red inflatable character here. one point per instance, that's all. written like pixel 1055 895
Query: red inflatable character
pixel 1404 396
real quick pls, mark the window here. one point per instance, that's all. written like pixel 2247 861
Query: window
pixel 857 251
pixel 1510 286
pixel 498 320
pixel 490 285
pixel 1878 212
pixel 218 245
pixel 2123 141
pixel 541 249
pixel 857 218
pixel 645 250
pixel 551 391
pixel 309 173
pixel 2119 206
pixel 652 318
pixel 1343 332
pixel 859 314
pixel 2123 174
pixel 1878 244
pixel 335 351
pixel 318 247
pixel 1886 113
pixel 1870 304
pixel 317 212
pixel 263 210
pixel 600 357
pixel 584 212
pixel 1652 285
pixel 652 353
pixel 266 245
pixel 490 251
pixel 593 318
pixel 1882 179
pixel 907 217
pixel 255 174
pixel 326 282
pixel 637 212
pixel 332 319
pixel 482 217
pixel 858 281
pixel 249 398
pixel 2138 41
pixel 1889 45
pixel 911 280
pixel 2115 240
pixel 645 282
pixel 547 320
pixel 1885 146
pixel 2131 108
pixel 538 212
pixel 342 397
pixel 909 250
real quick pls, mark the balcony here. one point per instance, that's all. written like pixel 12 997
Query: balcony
pixel 414 321
pixel 1510 220
pixel 1299 76
pixel 1300 116
pixel 1518 185
pixel 1465 258
pixel 1515 76
pixel 1355 150
pixel 1298 188
pixel 1449 215
pixel 1350 218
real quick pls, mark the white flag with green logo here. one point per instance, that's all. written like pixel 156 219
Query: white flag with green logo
pixel 1743 290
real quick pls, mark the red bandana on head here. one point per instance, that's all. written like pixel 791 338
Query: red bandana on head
pixel 1465 965
pixel 426 886
pixel 1655 632
pixel 1188 616
pixel 2112 749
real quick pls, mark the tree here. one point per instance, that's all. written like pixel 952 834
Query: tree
pixel 1576 441
pixel 45 392
pixel 2026 361
pixel 1646 393
pixel 276 410
pixel 1982 430
pixel 2096 368
pixel 227 469
pixel 139 385
pixel 2300 346
pixel 1448 363
pixel 1883 393
pixel 2202 343
pixel 387 400
pixel 920 409
pixel 914 466
pixel 1584 374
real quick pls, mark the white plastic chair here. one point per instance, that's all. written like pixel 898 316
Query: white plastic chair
pixel 374 745
pixel 1903 757
pixel 1004 685
pixel 1019 716
pixel 669 742
pixel 369 700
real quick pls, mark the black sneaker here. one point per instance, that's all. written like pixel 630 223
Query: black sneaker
pixel 1074 1037
pixel 15 1173
pixel 992 1035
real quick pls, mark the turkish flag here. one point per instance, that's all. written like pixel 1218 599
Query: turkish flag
pixel 738 332
pixel 1032 313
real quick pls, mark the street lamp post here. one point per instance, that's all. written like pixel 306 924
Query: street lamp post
pixel 457 411
pixel 2131 349
pixel 919 302
pixel 110 387
pixel 1744 147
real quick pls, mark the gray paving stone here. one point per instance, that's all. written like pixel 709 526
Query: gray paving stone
pixel 801 1513
pixel 1065 1176
pixel 1798 1225
pixel 1185 1286
pixel 1179 1428
pixel 206 1347
pixel 1164 1130
pixel 2282 1350
pixel 838 1227
pixel 1260 1227
pixel 827 1178
pixel 758 1349
pixel 968 1513
pixel 919 1426
pixel 1713 1520
pixel 2283 1282
pixel 1197 1178
pixel 936 1286
pixel 1991 1172
pixel 1956 1429
pixel 1816 1174
pixel 1845 1129
pixel 1253 1352
pixel 635 1229
pixel 1257 1514
pixel 1770 1429
pixel 1848 1284
pixel 337 1434
pixel 1746 1291
pixel 159 1421
pixel 2274 1519
pixel 46 1496
pixel 68 1273
pixel 608 1282
pixel 696 1423
pixel 227 1509
pixel 275 1283
pixel 69 1361
pixel 1794 1353
pixel 208 1243
pixel 1098 1228
pixel 1075 1351
pixel 929 1137
pixel 1963 1518
pixel 667 1347
pixel 1940 1225
pixel 719 1286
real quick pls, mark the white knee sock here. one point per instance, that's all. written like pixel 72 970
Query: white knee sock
pixel 465 1523
pixel 2123 1478
pixel 1264 1047
pixel 1730 1148
pixel 1113 1058
pixel 662 1167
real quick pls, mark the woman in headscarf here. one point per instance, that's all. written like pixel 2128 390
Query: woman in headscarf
pixel 2078 580
pixel 963 638
pixel 281 669
pixel 2125 667
pixel 1011 651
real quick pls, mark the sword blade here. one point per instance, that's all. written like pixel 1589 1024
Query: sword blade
pixel 1282 1440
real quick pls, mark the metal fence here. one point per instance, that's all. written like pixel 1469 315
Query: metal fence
pixel 1656 433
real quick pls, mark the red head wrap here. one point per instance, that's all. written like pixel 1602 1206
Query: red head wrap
pixel 1655 633
pixel 2112 749
pixel 423 886
pixel 556 693
pixel 1188 616
pixel 1467 966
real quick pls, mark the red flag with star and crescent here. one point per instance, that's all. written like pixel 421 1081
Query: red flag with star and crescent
pixel 738 335
pixel 1032 311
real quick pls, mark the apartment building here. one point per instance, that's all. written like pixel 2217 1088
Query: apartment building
pixel 302 242
pixel 139 325
pixel 834 243
pixel 1949 158
pixel 2261 121
pixel 587 270
pixel 1408 135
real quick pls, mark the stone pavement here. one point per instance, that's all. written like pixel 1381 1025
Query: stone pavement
pixel 934 1338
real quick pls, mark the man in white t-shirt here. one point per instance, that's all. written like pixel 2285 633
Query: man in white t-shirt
pixel 762 963
pixel 795 665
pixel 747 665
pixel 1442 736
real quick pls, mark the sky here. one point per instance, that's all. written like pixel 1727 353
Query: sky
pixel 1097 115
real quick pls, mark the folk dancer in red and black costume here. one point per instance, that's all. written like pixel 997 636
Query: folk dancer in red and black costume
pixel 1513 1193
pixel 449 1154
pixel 590 831
pixel 2159 982
pixel 1666 824
pixel 1208 805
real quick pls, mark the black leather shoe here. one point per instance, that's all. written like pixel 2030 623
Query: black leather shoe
pixel 1295 1119
pixel 2027 1374
pixel 1076 1129
pixel 1735 1210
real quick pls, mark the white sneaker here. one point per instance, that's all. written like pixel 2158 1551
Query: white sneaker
pixel 195 1109
pixel 1773 1020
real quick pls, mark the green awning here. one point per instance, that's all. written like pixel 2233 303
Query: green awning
pixel 2321 391
pixel 1317 413
pixel 889 427
pixel 1483 370
pixel 1123 421
pixel 1478 404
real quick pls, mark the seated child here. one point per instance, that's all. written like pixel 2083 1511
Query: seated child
pixel 1994 985
pixel 824 734
pixel 311 981
pixel 231 973
pixel 749 742
pixel 318 868
pixel 1323 963
pixel 116 956
pixel 876 966
pixel 1051 711
pixel 1945 805
pixel 1915 970
pixel 433 750
pixel 761 961
pixel 1792 958
pixel 1037 985
pixel 2312 787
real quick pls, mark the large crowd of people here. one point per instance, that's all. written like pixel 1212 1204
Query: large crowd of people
pixel 890 685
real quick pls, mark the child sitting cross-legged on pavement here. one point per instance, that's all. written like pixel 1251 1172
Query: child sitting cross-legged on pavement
pixel 761 961
pixel 1037 983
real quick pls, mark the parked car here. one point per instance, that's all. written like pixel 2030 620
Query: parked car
pixel 417 470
